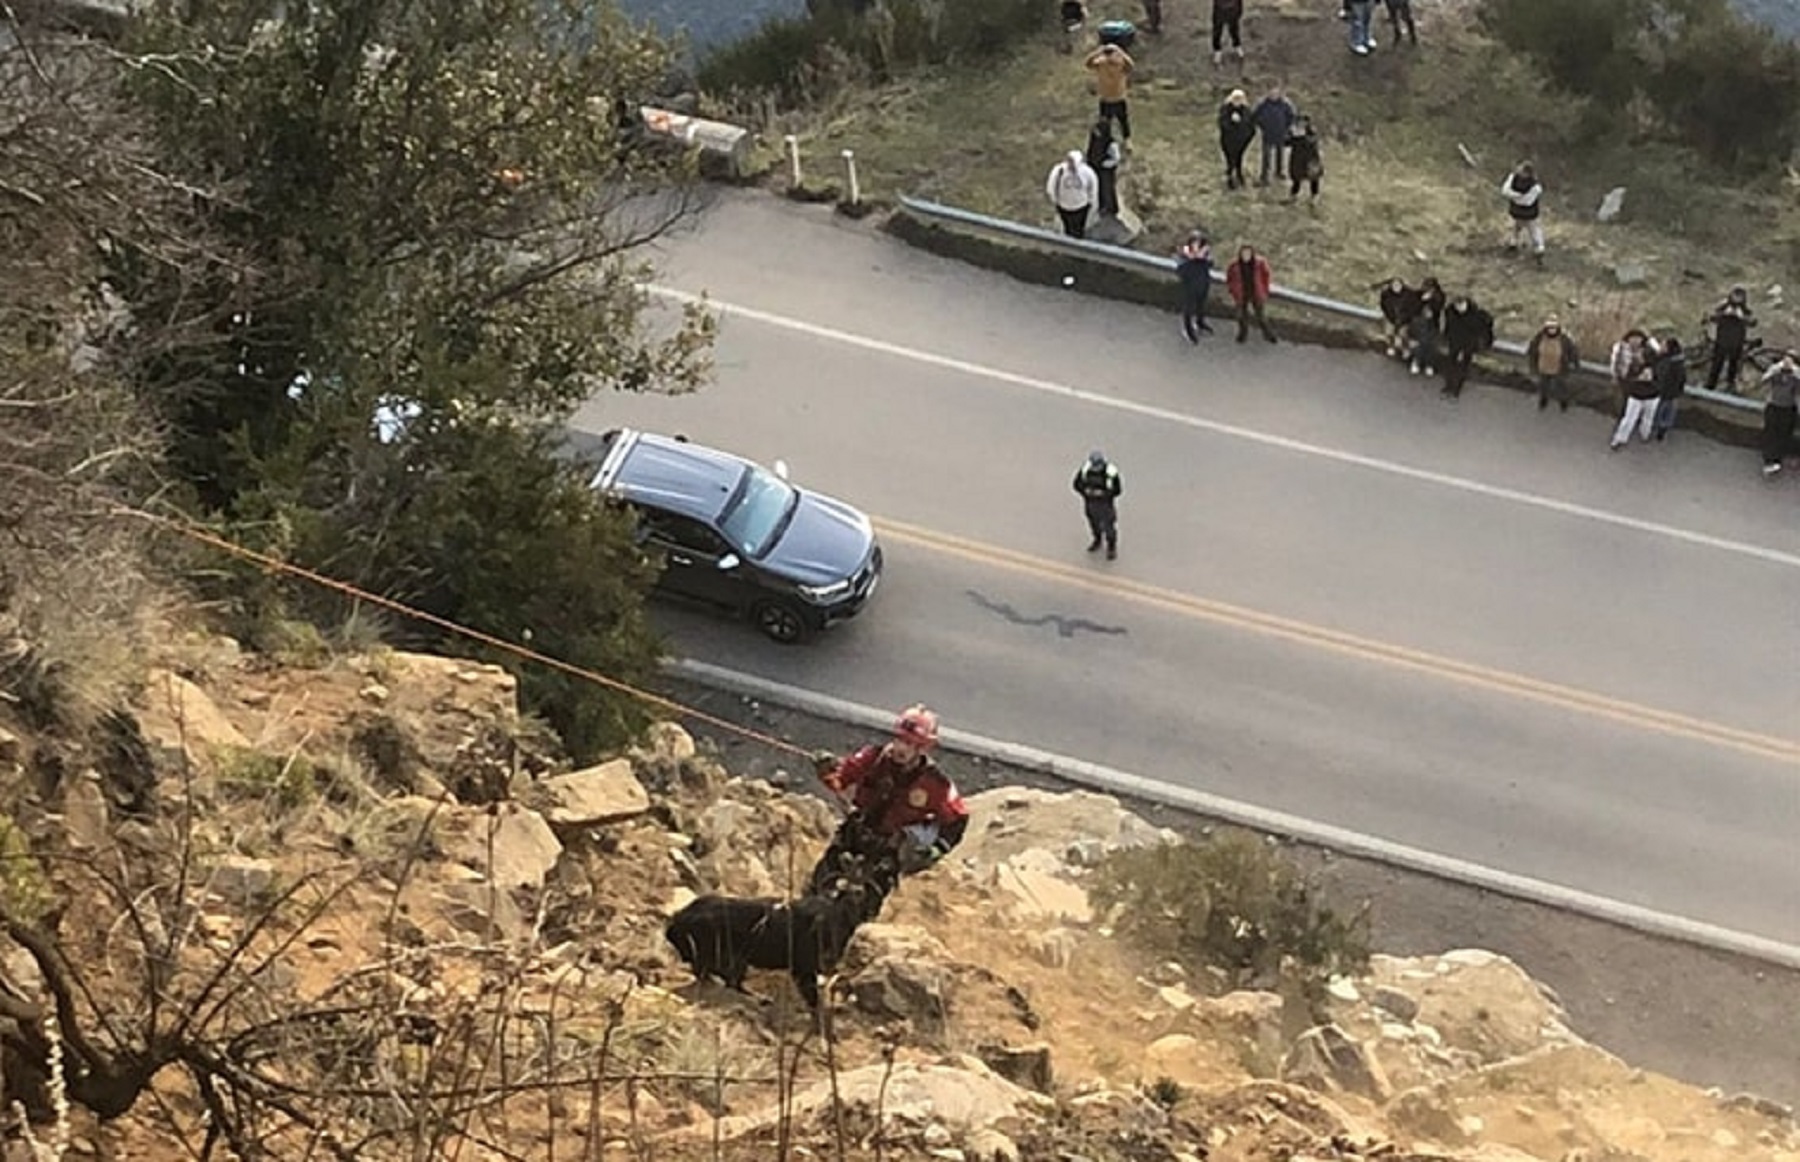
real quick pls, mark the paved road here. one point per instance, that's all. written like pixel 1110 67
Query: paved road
pixel 1463 627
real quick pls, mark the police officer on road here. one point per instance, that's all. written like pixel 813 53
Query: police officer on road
pixel 1099 486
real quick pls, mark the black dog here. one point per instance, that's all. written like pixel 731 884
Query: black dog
pixel 725 936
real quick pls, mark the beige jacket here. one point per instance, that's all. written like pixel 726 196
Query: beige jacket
pixel 1112 71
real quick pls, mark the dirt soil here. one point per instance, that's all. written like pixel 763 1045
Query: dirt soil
pixel 1398 197
pixel 1705 1017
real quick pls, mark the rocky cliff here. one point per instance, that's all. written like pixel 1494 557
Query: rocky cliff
pixel 428 937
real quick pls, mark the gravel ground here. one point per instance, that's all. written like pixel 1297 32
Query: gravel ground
pixel 1704 1017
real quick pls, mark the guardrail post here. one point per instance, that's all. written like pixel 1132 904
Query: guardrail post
pixel 852 191
pixel 793 157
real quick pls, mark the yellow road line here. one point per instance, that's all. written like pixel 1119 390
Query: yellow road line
pixel 1351 645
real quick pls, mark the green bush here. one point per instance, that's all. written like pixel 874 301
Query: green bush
pixel 1723 86
pixel 1731 90
pixel 1232 903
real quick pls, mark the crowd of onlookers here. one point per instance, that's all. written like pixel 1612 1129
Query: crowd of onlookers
pixel 1431 331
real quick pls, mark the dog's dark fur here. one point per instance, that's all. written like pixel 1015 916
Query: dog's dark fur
pixel 725 936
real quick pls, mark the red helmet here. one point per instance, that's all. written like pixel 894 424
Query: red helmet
pixel 918 726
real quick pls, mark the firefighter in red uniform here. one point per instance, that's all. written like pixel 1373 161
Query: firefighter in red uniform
pixel 906 814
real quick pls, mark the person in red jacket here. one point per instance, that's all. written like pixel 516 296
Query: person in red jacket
pixel 905 813
pixel 1248 281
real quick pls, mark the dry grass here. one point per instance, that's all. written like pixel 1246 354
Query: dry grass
pixel 1398 198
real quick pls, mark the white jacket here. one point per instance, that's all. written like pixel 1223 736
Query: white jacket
pixel 1072 184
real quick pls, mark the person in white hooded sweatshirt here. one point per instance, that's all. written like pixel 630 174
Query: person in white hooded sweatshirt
pixel 1072 188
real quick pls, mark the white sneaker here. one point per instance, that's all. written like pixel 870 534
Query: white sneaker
pixel 1369 45
pixel 1361 50
pixel 1771 469
pixel 1414 368
pixel 1217 57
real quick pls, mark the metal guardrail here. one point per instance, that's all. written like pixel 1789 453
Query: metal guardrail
pixel 1125 256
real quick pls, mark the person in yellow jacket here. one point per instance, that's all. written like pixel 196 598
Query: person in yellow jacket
pixel 1112 66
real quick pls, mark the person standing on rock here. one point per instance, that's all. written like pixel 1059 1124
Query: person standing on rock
pixel 1236 131
pixel 1193 266
pixel 1111 67
pixel 1250 280
pixel 1551 355
pixel 1073 187
pixel 1468 330
pixel 1274 116
pixel 1103 159
pixel 1524 203
pixel 1097 483
pixel 1227 18
pixel 1731 322
pixel 1779 412
pixel 905 813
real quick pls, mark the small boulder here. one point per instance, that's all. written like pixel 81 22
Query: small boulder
pixel 1119 229
pixel 1052 947
pixel 1400 1005
pixel 1631 274
pixel 181 721
pixel 668 741
pixel 1611 205
pixel 12 750
pixel 85 819
pixel 900 971
pixel 241 880
pixel 512 846
pixel 986 1144
pixel 1329 1060
pixel 1026 1065
pixel 608 793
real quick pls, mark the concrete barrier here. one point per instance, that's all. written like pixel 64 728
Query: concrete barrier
pixel 727 145
pixel 1038 255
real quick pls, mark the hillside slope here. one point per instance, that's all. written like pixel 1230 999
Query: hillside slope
pixel 468 938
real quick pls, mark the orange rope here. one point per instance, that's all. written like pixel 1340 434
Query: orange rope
pixel 275 565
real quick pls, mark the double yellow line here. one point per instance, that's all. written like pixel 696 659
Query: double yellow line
pixel 1351 645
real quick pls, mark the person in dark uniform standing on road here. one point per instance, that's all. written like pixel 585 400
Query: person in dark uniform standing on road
pixel 1099 486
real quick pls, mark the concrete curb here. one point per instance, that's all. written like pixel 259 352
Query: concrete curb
pixel 1325 835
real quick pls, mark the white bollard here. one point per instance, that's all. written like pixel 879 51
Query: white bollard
pixel 852 192
pixel 793 155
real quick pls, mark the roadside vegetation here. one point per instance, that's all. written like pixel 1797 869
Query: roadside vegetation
pixel 231 244
pixel 1695 113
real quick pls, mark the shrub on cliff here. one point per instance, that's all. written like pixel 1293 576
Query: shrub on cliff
pixel 1234 903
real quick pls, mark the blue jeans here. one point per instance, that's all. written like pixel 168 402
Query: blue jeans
pixel 1361 16
pixel 1665 417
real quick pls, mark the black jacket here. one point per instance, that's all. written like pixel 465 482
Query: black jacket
pixel 1468 330
pixel 1670 375
pixel 1098 484
pixel 1236 130
pixel 1304 161
pixel 1731 324
pixel 1400 307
